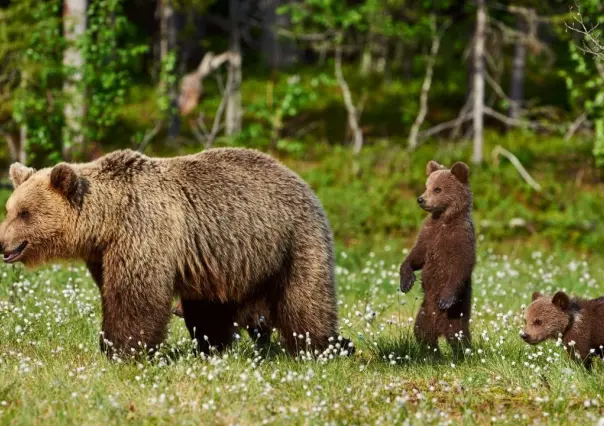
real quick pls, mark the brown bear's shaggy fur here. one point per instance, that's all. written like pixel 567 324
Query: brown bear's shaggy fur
pixel 237 236
pixel 445 252
pixel 575 320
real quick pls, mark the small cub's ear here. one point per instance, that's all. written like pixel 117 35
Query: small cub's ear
pixel 64 179
pixel 461 172
pixel 432 167
pixel 536 295
pixel 561 300
pixel 20 173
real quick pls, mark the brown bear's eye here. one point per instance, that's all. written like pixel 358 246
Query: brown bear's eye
pixel 23 214
pixel 437 190
pixel 537 322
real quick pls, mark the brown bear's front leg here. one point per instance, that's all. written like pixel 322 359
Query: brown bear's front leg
pixel 137 302
pixel 414 261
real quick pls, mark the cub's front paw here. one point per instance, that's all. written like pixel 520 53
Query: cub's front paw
pixel 407 280
pixel 446 302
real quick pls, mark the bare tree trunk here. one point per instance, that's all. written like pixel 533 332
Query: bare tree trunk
pixel 423 99
pixel 168 34
pixel 278 52
pixel 233 112
pixel 517 83
pixel 478 114
pixel 74 26
pixel 367 56
pixel 353 118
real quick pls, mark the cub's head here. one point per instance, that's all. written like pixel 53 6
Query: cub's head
pixel 447 190
pixel 546 317
pixel 40 214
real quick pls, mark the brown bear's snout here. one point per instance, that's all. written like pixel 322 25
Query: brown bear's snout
pixel 524 336
pixel 420 201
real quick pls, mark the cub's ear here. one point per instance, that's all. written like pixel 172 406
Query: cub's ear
pixel 561 300
pixel 20 173
pixel 432 167
pixel 63 178
pixel 536 295
pixel 461 172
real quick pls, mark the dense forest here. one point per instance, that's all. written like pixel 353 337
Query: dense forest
pixel 78 77
pixel 356 96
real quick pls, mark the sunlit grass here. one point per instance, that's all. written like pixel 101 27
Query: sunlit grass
pixel 51 369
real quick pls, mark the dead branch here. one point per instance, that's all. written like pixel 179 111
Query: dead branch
pixel 575 126
pixel 462 113
pixel 191 85
pixel 462 118
pixel 498 150
pixel 353 119
pixel 591 43
pixel 208 137
pixel 423 98
pixel 149 135
pixel 12 145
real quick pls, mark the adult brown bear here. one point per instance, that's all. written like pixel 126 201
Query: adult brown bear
pixel 238 237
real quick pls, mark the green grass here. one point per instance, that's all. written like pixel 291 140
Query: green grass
pixel 51 370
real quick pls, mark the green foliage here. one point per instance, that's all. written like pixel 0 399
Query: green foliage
pixel 108 60
pixel 283 101
pixel 168 79
pixel 373 196
pixel 32 43
pixel 585 82
pixel 332 17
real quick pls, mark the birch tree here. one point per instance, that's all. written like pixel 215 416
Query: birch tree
pixel 74 22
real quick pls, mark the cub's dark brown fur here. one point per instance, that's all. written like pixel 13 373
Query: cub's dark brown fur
pixel 445 252
pixel 579 322
pixel 237 236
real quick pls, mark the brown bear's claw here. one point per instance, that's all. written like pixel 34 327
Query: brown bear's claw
pixel 446 303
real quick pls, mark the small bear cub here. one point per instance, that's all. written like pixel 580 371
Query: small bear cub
pixel 445 252
pixel 580 323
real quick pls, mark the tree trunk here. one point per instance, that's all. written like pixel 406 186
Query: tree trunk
pixel 168 34
pixel 367 57
pixel 423 99
pixel 278 52
pixel 353 116
pixel 517 83
pixel 74 26
pixel 233 113
pixel 478 114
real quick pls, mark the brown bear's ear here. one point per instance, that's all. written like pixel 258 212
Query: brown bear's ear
pixel 432 167
pixel 19 173
pixel 461 172
pixel 561 300
pixel 536 295
pixel 64 179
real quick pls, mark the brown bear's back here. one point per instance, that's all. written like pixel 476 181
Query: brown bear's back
pixel 227 218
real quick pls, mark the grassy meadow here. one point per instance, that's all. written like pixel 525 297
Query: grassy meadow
pixel 51 369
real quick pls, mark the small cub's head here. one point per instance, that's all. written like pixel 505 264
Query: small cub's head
pixel 40 213
pixel 546 317
pixel 447 190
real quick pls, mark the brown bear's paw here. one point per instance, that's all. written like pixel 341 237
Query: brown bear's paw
pixel 446 303
pixel 407 280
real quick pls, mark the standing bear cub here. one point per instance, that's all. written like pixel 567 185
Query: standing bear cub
pixel 445 252
pixel 241 239
pixel 579 322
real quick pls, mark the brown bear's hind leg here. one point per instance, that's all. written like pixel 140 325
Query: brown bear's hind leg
pixel 210 323
pixel 307 305
pixel 426 328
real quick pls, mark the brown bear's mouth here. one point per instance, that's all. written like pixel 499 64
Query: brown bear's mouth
pixel 14 255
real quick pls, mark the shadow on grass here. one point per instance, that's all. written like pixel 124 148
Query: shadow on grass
pixel 406 351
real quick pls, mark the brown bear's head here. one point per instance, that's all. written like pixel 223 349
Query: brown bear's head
pixel 546 317
pixel 40 214
pixel 447 190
